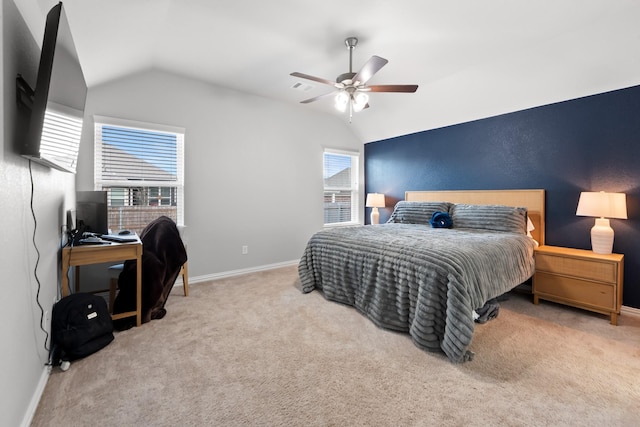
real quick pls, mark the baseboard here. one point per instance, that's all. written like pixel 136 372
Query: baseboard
pixel 630 311
pixel 232 273
pixel 35 399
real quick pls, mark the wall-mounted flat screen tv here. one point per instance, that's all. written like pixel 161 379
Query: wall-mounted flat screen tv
pixel 57 109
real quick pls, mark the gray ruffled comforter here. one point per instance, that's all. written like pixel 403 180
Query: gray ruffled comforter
pixel 416 279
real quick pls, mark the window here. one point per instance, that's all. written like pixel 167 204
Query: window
pixel 141 166
pixel 341 187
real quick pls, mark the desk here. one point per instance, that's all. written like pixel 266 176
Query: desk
pixel 96 254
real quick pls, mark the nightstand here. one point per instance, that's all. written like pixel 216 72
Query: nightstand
pixel 579 278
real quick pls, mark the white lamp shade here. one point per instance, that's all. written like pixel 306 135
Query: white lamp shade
pixel 602 205
pixel 375 200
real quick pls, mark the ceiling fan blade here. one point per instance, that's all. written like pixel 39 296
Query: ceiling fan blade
pixel 392 88
pixel 373 65
pixel 315 79
pixel 306 101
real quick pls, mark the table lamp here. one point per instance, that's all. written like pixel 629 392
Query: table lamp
pixel 375 201
pixel 602 206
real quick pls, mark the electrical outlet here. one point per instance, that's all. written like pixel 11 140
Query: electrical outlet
pixel 245 250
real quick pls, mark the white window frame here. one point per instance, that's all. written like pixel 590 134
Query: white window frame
pixel 354 187
pixel 99 182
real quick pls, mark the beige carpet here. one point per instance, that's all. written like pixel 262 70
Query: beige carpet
pixel 254 350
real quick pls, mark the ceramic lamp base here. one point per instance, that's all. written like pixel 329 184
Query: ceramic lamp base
pixel 602 237
pixel 375 216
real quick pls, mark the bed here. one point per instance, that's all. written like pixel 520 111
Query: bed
pixel 408 276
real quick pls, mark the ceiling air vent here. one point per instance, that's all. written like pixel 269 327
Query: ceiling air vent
pixel 304 87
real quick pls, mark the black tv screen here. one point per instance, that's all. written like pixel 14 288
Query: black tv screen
pixel 57 109
pixel 91 212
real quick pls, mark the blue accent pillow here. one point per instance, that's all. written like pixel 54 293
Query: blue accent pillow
pixel 441 220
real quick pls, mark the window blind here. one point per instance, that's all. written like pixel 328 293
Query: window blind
pixel 341 195
pixel 142 169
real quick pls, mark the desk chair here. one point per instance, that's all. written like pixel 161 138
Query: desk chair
pixel 115 270
pixel 114 273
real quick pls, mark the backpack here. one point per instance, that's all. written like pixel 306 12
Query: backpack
pixel 80 326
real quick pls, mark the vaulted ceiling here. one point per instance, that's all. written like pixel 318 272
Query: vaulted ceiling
pixel 471 59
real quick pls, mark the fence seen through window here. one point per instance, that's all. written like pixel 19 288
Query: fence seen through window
pixel 132 208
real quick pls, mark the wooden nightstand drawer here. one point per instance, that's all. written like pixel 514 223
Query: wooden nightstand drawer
pixel 576 267
pixel 576 291
pixel 579 278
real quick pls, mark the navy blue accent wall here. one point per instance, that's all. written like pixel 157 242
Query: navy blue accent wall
pixel 586 144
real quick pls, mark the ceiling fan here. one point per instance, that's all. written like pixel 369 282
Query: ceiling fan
pixel 352 87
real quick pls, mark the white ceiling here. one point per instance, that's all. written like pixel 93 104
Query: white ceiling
pixel 470 58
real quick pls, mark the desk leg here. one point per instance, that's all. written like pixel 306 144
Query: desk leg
pixel 65 272
pixel 76 279
pixel 139 291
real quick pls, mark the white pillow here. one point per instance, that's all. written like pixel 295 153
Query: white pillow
pixel 530 228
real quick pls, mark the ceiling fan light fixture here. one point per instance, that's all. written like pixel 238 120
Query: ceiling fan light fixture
pixel 342 100
pixel 352 87
pixel 360 100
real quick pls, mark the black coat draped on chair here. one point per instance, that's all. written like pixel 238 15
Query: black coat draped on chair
pixel 163 254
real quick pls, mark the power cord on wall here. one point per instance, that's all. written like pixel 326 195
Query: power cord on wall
pixel 35 269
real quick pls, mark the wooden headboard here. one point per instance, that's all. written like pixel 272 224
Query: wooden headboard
pixel 533 200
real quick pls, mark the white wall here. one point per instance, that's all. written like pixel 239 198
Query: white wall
pixel 253 167
pixel 23 354
pixel 253 177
